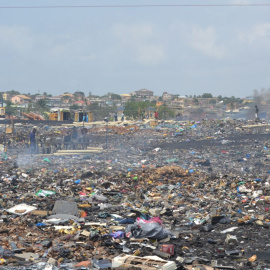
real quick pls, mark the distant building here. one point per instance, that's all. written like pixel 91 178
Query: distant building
pixel 38 97
pixel 144 93
pixel 180 102
pixel 6 96
pixel 99 101
pixel 67 95
pixel 20 99
pixel 2 112
pixel 109 102
pixel 54 101
pixel 126 97
pixel 66 101
pixel 204 102
pixel 80 103
pixel 167 96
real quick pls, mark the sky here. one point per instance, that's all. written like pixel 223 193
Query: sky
pixel 180 50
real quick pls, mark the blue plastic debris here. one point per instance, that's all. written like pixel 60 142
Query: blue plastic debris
pixel 40 224
pixel 77 181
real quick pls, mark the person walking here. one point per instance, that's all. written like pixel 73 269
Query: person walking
pixel 115 117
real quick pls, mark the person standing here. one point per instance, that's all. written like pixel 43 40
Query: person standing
pixel 115 117
pixel 156 115
pixel 143 115
pixel 122 117
pixel 256 112
pixel 32 138
pixel 74 133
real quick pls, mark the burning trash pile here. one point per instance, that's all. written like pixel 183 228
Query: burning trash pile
pixel 148 202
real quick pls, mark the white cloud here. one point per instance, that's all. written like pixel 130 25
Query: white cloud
pixel 258 32
pixel 138 32
pixel 141 42
pixel 205 41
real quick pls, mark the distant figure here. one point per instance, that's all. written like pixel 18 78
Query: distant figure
pixel 143 115
pixel 115 117
pixel 256 112
pixel 122 117
pixel 178 117
pixel 74 133
pixel 156 115
pixel 32 138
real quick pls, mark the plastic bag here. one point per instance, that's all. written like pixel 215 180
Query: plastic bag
pixel 45 193
pixel 152 228
pixel 117 235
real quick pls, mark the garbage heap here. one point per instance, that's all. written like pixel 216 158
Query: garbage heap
pixel 153 200
pixel 167 214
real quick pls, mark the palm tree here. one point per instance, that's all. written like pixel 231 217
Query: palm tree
pixel 41 105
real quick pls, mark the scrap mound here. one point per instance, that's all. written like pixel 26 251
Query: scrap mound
pixel 167 212
pixel 196 197
pixel 171 170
